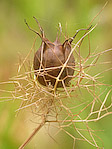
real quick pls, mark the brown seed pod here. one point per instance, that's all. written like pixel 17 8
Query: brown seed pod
pixel 54 55
pixel 50 58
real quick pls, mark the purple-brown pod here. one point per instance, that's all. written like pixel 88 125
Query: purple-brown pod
pixel 50 58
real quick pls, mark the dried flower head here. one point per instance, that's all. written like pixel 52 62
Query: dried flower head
pixel 73 105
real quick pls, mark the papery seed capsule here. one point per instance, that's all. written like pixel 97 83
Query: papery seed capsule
pixel 49 59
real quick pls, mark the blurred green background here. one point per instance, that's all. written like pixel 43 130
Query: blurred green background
pixel 15 38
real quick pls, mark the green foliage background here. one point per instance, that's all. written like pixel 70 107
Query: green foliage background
pixel 16 38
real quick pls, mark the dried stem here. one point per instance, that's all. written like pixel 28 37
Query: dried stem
pixel 34 132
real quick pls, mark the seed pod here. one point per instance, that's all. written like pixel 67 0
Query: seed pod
pixel 49 59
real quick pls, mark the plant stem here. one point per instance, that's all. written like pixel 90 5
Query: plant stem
pixel 33 133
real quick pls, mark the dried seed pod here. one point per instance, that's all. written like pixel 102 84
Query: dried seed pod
pixel 50 58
